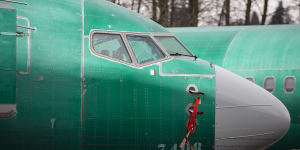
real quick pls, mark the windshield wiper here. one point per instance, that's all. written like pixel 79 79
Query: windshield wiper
pixel 178 54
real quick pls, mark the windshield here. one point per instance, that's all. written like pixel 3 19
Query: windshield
pixel 110 45
pixel 144 48
pixel 172 46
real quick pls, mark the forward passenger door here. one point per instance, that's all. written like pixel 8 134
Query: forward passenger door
pixel 7 60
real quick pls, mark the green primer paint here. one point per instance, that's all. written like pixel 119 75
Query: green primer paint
pixel 113 106
pixel 258 52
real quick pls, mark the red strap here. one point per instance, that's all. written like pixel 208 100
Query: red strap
pixel 191 124
pixel 192 120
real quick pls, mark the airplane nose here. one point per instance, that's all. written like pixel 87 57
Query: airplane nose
pixel 246 115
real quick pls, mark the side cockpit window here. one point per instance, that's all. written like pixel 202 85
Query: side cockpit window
pixel 110 45
pixel 144 49
pixel 289 84
pixel 172 45
pixel 269 84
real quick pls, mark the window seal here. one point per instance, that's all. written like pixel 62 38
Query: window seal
pixel 274 83
pixel 284 88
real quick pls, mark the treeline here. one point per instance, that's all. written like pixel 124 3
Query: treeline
pixel 178 13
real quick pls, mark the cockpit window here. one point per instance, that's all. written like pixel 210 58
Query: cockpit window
pixel 110 45
pixel 144 49
pixel 172 45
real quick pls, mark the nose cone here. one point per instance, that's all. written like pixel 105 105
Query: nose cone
pixel 247 116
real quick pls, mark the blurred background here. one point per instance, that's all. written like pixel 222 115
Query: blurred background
pixel 183 13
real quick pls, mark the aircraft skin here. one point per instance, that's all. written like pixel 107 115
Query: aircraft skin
pixel 257 52
pixel 58 92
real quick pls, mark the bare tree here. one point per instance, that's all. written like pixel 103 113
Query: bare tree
pixel 248 11
pixel 254 19
pixel 180 14
pixel 281 15
pixel 264 16
pixel 154 10
pixel 132 4
pixel 299 11
pixel 172 13
pixel 222 14
pixel 163 12
pixel 193 11
pixel 139 6
pixel 227 17
pixel 209 12
pixel 225 12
